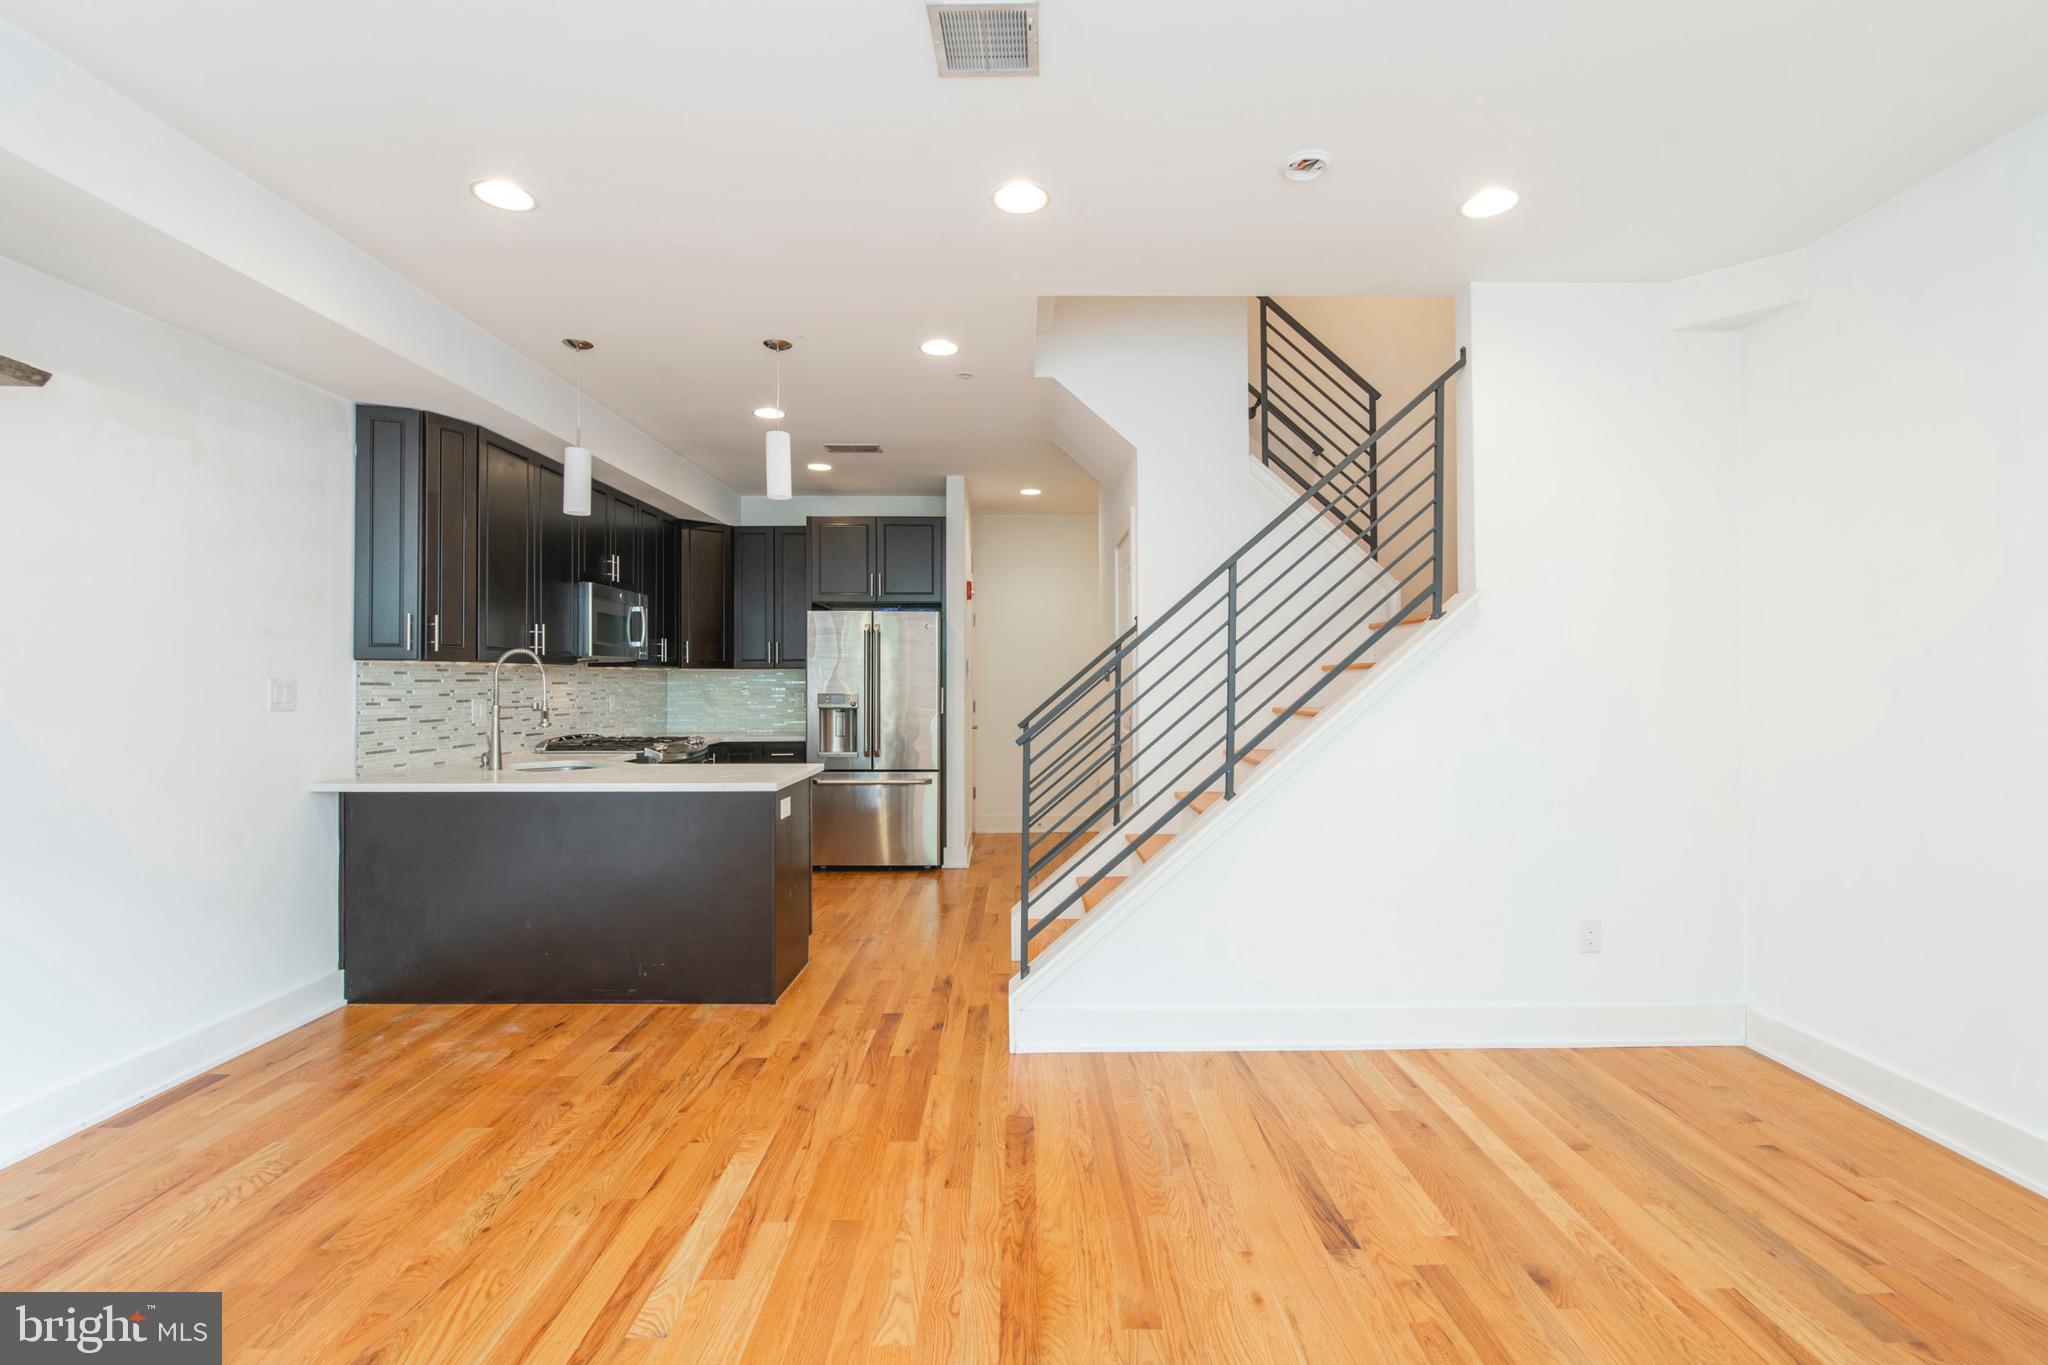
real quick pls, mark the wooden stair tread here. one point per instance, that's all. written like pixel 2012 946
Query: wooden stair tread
pixel 1258 755
pixel 1353 668
pixel 1305 712
pixel 1152 847
pixel 1415 620
pixel 1201 802
pixel 1097 893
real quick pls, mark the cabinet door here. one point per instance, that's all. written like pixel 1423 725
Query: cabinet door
pixel 631 525
pixel 842 559
pixel 388 522
pixel 448 556
pixel 707 552
pixel 505 612
pixel 557 603
pixel 912 555
pixel 658 552
pixel 792 595
pixel 594 548
pixel 753 596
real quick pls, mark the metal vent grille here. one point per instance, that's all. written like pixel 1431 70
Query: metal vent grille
pixel 853 450
pixel 985 40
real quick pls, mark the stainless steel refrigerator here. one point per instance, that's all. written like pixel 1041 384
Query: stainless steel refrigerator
pixel 873 720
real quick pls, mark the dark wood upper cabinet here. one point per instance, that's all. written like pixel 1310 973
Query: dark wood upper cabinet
pixel 842 560
pixel 389 488
pixel 506 618
pixel 555 568
pixel 448 555
pixel 912 555
pixel 770 596
pixel 703 591
pixel 855 561
pixel 594 546
pixel 664 641
pixel 792 595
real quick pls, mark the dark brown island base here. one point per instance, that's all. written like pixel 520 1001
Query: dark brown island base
pixel 617 882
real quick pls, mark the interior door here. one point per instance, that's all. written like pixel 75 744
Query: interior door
pixel 905 677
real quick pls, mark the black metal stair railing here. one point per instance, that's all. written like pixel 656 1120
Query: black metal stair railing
pixel 1309 402
pixel 1168 712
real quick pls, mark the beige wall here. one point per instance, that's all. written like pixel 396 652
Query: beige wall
pixel 1399 345
pixel 1036 619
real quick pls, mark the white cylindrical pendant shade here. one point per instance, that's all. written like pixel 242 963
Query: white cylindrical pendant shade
pixel 778 466
pixel 576 481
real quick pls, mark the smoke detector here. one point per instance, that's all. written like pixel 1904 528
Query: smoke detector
pixel 984 40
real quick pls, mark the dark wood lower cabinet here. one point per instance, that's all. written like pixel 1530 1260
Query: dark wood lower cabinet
pixel 699 898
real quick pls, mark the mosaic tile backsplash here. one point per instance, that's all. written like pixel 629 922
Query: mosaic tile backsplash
pixel 420 715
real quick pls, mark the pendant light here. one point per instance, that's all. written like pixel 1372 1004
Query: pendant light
pixel 576 459
pixel 778 441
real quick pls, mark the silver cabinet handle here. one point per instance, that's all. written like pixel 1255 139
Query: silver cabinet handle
pixel 408 631
pixel 434 632
pixel 686 651
pixel 543 639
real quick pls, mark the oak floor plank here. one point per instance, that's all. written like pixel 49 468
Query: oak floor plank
pixel 863 1172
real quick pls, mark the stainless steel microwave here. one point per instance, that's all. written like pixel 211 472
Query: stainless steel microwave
pixel 614 628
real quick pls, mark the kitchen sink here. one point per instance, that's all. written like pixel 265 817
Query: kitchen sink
pixel 555 765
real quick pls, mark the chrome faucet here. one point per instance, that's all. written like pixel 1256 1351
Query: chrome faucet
pixel 495 760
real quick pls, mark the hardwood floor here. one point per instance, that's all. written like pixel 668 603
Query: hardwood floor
pixel 862 1173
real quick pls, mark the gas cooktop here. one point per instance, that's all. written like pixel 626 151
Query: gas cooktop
pixel 624 744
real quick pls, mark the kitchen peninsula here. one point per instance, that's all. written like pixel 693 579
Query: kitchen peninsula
pixel 576 881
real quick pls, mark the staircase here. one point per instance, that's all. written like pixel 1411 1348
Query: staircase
pixel 1158 730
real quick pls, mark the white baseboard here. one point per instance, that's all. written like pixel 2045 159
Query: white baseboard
pixel 1368 1028
pixel 57 1114
pixel 1992 1142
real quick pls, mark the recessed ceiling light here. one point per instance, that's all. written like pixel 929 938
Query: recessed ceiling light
pixel 499 193
pixel 939 346
pixel 964 374
pixel 1020 196
pixel 1306 164
pixel 1030 492
pixel 820 468
pixel 1490 202
pixel 772 413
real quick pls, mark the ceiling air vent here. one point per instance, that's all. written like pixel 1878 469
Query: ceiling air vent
pixel 985 40
pixel 853 450
pixel 17 373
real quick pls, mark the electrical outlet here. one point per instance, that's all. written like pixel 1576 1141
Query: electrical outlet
pixel 284 694
pixel 1589 935
pixel 477 710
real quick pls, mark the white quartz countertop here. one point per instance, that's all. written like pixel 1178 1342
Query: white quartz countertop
pixel 610 775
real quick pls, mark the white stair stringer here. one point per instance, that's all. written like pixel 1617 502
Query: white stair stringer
pixel 1344 704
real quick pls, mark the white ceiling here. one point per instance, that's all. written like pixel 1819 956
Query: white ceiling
pixel 714 173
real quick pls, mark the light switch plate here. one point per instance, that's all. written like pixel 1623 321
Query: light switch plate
pixel 785 808
pixel 284 694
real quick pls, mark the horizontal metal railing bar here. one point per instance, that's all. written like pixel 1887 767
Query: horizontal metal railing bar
pixel 1282 517
pixel 1281 634
pixel 1294 426
pixel 1161 733
pixel 1072 836
pixel 1105 652
pixel 1305 639
pixel 1101 732
pixel 1340 417
pixel 1337 670
pixel 1080 717
pixel 1316 544
pixel 1330 355
pixel 1129 652
pixel 1131 846
pixel 1298 531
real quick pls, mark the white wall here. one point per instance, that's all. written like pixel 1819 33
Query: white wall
pixel 1895 740
pixel 792 511
pixel 1035 623
pixel 180 534
pixel 1569 753
pixel 960 765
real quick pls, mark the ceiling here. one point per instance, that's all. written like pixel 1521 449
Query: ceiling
pixel 713 174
